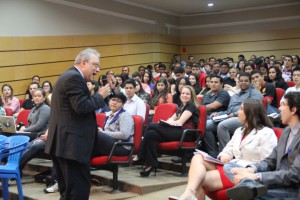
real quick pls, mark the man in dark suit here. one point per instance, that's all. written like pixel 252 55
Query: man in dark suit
pixel 280 172
pixel 72 127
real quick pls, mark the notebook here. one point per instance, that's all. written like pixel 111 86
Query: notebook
pixel 8 125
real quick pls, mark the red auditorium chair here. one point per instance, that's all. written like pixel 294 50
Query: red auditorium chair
pixel 279 95
pixel 290 83
pixel 23 117
pixel 111 162
pixel 221 194
pixel 184 147
pixel 21 102
pixel 265 102
pixel 8 112
pixel 200 99
pixel 164 111
pixel 146 115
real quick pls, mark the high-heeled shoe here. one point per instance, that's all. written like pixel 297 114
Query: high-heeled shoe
pixel 148 170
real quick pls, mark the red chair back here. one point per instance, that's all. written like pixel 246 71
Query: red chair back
pixel 265 102
pixel 290 83
pixel 279 95
pixel 202 119
pixel 100 117
pixel 8 112
pixel 278 132
pixel 23 117
pixel 164 111
pixel 21 102
pixel 200 99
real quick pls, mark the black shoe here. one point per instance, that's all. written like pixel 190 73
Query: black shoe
pixel 176 159
pixel 247 190
pixel 146 172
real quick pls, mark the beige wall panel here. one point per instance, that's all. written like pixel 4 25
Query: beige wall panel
pixel 253 36
pixel 27 71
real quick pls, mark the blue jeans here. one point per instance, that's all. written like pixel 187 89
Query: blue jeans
pixel 35 148
pixel 227 167
pixel 271 109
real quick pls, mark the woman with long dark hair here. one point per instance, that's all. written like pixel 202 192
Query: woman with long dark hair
pixel 194 80
pixel 180 82
pixel 275 77
pixel 250 143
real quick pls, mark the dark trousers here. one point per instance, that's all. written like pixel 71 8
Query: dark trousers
pixel 104 145
pixel 73 179
pixel 157 133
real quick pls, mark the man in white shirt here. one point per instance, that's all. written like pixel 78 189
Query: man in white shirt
pixel 296 80
pixel 134 105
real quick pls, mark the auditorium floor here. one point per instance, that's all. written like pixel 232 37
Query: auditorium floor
pixel 134 187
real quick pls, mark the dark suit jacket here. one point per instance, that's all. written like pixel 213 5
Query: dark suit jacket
pixel 282 169
pixel 72 126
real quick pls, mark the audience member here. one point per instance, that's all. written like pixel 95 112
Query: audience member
pixel 125 70
pixel 216 99
pixel 279 172
pixel 160 95
pixel 250 143
pixel 287 69
pixel 206 88
pixel 141 71
pixel 177 59
pixel 241 65
pixel 268 90
pixel 249 67
pixel 28 104
pixel 275 77
pixel 140 92
pixel 264 68
pixel 224 70
pixel 186 117
pixel 225 128
pixel 296 80
pixel 47 87
pixel 194 80
pixel 296 60
pixel 146 87
pixel 134 105
pixel 148 79
pixel 231 83
pixel 179 84
pixel 188 70
pixel 119 83
pixel 196 70
pixel 118 127
pixel 8 99
pixel 92 86
pixel 35 79
pixel 207 69
pixel 216 69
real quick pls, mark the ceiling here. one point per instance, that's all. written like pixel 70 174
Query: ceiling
pixel 193 7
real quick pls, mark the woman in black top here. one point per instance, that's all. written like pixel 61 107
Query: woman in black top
pixel 275 77
pixel 180 82
pixel 185 118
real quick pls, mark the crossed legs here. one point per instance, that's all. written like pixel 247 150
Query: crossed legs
pixel 202 175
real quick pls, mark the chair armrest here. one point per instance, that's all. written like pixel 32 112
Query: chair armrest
pixel 7 151
pixel 188 132
pixel 112 152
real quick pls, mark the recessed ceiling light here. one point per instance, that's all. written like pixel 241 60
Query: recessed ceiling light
pixel 210 4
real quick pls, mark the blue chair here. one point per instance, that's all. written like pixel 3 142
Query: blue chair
pixel 13 149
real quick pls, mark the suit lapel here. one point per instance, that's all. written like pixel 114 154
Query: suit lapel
pixel 295 140
pixel 282 143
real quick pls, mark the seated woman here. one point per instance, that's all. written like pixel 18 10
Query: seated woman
pixel 47 87
pixel 249 144
pixel 275 77
pixel 148 79
pixel 8 99
pixel 205 89
pixel 39 115
pixel 38 123
pixel 140 92
pixel 186 117
pixel 180 82
pixel 118 126
pixel 160 95
pixel 194 80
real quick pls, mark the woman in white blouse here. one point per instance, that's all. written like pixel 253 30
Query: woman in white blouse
pixel 250 143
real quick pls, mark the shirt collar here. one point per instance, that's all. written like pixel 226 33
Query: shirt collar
pixel 79 71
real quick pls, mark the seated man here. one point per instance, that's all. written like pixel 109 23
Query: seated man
pixel 268 90
pixel 134 105
pixel 216 99
pixel 280 172
pixel 28 103
pixel 225 128
pixel 296 80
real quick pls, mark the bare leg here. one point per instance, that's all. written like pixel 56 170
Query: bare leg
pixel 201 174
